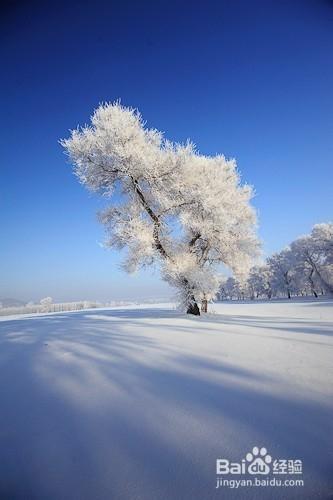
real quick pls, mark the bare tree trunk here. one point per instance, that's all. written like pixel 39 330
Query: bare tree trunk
pixel 312 284
pixel 204 305
pixel 323 282
pixel 191 304
pixel 192 307
pixel 287 283
pixel 325 285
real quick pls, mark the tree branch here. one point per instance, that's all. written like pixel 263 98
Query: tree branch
pixel 154 218
pixel 176 206
pixel 194 239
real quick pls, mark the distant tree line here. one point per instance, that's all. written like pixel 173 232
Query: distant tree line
pixel 304 268
pixel 47 305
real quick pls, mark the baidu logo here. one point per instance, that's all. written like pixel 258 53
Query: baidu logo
pixel 262 469
pixel 256 462
pixel 259 461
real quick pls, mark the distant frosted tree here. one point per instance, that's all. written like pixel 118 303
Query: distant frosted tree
pixel 322 236
pixel 282 268
pixel 260 282
pixel 232 288
pixel 185 211
pixel 46 303
pixel 314 256
pixel 303 268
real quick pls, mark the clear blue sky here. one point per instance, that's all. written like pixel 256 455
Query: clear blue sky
pixel 250 79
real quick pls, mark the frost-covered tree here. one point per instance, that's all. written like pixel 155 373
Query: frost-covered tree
pixel 314 257
pixel 281 265
pixel 260 282
pixel 306 283
pixel 305 257
pixel 46 303
pixel 173 206
pixel 303 268
pixel 322 236
pixel 232 288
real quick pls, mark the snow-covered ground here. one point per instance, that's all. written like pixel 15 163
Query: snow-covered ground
pixel 138 403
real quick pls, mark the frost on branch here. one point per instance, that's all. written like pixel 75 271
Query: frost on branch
pixel 173 206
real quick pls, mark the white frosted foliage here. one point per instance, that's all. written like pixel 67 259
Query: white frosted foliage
pixel 169 205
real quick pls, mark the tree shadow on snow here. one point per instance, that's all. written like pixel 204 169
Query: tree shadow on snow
pixel 95 406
